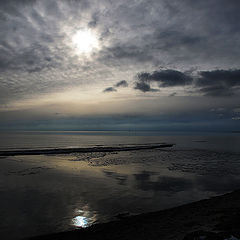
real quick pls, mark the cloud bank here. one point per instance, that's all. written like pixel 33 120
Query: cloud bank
pixel 216 83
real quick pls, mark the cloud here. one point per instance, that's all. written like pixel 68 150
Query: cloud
pixel 144 87
pixel 172 94
pixel 110 89
pixel 224 77
pixel 35 57
pixel 163 183
pixel 122 83
pixel 166 78
pixel 157 39
pixel 216 91
pixel 215 83
pixel 219 82
pixel 123 54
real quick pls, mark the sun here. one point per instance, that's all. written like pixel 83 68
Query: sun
pixel 85 41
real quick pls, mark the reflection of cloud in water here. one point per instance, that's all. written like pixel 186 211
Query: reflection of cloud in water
pixel 121 178
pixel 153 181
pixel 144 175
pixel 142 183
pixel 163 183
pixel 176 184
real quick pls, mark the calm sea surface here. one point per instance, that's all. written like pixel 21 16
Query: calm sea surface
pixel 45 194
pixel 57 139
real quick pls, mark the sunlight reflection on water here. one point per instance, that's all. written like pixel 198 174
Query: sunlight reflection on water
pixel 80 221
pixel 84 219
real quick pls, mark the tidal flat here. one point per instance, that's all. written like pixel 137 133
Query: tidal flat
pixel 46 194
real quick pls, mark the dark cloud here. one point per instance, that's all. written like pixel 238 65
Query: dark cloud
pixel 219 82
pixel 144 87
pixel 216 83
pixel 172 94
pixel 122 83
pixel 109 89
pixel 166 78
pixel 228 78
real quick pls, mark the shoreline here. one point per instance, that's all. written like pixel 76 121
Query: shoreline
pixel 214 218
pixel 82 150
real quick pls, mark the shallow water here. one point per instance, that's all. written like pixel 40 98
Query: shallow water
pixel 43 194
pixel 68 139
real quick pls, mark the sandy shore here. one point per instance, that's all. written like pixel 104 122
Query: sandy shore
pixel 215 218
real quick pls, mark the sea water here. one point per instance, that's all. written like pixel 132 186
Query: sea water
pixel 51 193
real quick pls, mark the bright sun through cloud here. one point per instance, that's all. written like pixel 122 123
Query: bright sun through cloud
pixel 85 41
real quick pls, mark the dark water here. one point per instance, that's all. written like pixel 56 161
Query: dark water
pixel 57 139
pixel 44 194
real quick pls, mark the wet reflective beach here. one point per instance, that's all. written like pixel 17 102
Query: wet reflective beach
pixel 50 193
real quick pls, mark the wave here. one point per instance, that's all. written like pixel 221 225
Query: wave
pixel 82 150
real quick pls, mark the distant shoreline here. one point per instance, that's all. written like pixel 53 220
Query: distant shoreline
pixel 217 217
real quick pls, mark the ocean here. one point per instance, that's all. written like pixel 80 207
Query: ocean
pixel 44 194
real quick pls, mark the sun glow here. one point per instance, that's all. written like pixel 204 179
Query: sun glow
pixel 85 41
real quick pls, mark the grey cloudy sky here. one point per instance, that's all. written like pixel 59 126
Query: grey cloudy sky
pixel 155 63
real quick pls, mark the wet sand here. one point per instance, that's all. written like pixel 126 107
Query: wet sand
pixel 214 218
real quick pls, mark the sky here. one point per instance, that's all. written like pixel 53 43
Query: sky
pixel 120 65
